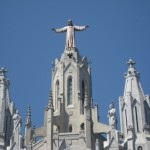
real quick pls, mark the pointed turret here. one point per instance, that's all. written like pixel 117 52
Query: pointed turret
pixel 134 109
pixel 49 123
pixel 28 128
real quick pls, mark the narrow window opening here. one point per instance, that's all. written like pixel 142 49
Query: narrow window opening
pixel 57 93
pixel 146 117
pixel 126 117
pixel 6 128
pixel 70 91
pixel 83 97
pixel 82 126
pixel 136 116
pixel 70 128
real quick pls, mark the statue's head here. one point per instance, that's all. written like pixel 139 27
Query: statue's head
pixel 70 23
pixel 17 111
pixel 111 106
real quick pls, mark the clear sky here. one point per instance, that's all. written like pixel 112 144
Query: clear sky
pixel 119 30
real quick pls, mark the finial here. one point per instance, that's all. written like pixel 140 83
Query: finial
pixel 131 70
pixel 50 102
pixel 29 111
pixel 112 105
pixel 131 63
pixel 28 119
pixel 3 71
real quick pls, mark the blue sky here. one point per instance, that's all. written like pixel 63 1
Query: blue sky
pixel 119 30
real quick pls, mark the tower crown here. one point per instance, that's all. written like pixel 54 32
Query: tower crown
pixel 131 70
pixel 132 83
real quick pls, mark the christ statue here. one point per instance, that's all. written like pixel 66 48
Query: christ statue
pixel 70 33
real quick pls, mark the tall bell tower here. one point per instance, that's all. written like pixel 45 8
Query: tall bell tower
pixel 71 86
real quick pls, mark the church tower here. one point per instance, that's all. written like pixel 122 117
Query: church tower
pixel 71 86
pixel 70 121
pixel 135 112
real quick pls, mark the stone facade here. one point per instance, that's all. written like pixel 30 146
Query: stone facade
pixel 71 119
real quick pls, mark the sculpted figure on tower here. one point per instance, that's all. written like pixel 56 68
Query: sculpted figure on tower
pixel 112 115
pixel 70 33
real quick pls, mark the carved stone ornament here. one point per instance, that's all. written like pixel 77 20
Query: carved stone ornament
pixel 82 134
pixel 2 134
pixel 146 127
pixel 130 128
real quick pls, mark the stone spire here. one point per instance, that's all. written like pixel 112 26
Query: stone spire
pixel 28 128
pixel 49 122
pixel 133 109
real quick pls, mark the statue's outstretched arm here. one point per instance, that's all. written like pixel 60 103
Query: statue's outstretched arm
pixel 80 28
pixel 64 29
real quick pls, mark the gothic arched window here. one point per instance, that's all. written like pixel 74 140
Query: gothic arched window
pixel 136 117
pixel 139 148
pixel 69 90
pixel 126 117
pixel 6 128
pixel 57 92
